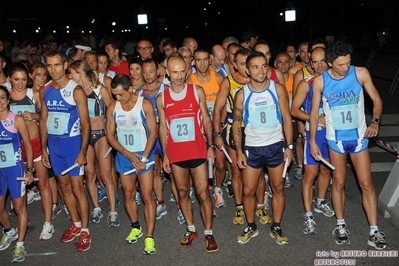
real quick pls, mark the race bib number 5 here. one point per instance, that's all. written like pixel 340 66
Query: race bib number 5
pixel 57 123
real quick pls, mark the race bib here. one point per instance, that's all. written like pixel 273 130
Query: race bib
pixel 7 157
pixel 20 109
pixel 91 103
pixel 130 139
pixel 262 117
pixel 345 117
pixel 182 129
pixel 57 123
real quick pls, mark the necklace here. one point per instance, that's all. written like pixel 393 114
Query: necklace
pixel 89 87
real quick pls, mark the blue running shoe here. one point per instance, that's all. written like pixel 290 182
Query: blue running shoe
pixel 102 194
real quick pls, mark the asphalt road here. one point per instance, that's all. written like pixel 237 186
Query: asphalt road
pixel 109 246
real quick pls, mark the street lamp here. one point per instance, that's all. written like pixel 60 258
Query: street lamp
pixel 142 20
pixel 290 16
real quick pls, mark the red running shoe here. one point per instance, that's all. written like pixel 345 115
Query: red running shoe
pixel 84 242
pixel 210 244
pixel 69 234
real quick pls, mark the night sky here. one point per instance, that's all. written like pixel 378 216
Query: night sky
pixel 222 18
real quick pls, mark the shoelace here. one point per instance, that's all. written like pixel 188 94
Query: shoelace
pixel 310 222
pixel 379 237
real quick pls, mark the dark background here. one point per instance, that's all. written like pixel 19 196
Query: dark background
pixel 177 19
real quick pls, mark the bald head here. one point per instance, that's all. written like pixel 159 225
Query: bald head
pixel 218 56
pixel 191 43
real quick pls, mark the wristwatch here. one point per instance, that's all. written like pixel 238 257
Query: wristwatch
pixel 375 121
pixel 144 159
pixel 31 169
pixel 290 146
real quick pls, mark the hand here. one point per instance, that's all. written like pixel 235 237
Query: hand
pixel 241 161
pixel 29 178
pixel 371 131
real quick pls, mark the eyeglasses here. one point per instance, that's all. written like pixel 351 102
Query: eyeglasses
pixel 145 48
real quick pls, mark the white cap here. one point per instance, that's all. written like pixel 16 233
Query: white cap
pixel 84 48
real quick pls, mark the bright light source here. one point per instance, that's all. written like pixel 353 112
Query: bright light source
pixel 142 19
pixel 290 15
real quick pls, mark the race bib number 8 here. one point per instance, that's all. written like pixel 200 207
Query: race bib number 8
pixel 345 117
pixel 57 123
pixel 182 129
pixel 262 117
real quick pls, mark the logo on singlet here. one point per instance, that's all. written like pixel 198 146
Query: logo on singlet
pixel 344 96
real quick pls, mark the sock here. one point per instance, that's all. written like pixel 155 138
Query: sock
pixel 84 230
pixel 299 166
pixel 191 228
pixel 239 206
pixel 309 214
pixel 253 226
pixel 275 226
pixel 319 201
pixel 135 224
pixel 78 224
pixel 6 230
pixel 20 244
pixel 208 232
pixel 341 222
pixel 99 208
pixel 161 202
pixel 373 228
pixel 217 189
pixel 259 205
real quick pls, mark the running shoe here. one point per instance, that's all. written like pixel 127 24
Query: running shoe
pixel 226 179
pixel 298 173
pixel 219 201
pixel 96 215
pixel 18 254
pixel 192 195
pixel 188 238
pixel 66 212
pixel 210 244
pixel 172 198
pixel 239 216
pixel 47 232
pixel 229 189
pixel 83 242
pixel 277 233
pixel 287 182
pixel 7 238
pixel 161 211
pixel 56 210
pixel 117 200
pixel 12 213
pixel 324 208
pixel 341 235
pixel 180 217
pixel 33 195
pixel 246 235
pixel 264 218
pixel 377 241
pixel 69 234
pixel 149 246
pixel 138 197
pixel 113 219
pixel 309 225
pixel 134 234
pixel 102 194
